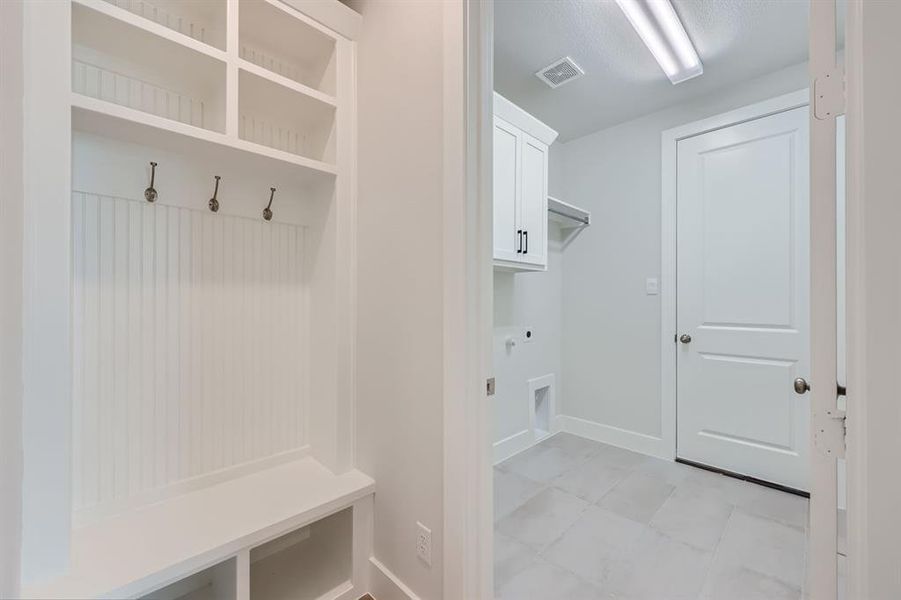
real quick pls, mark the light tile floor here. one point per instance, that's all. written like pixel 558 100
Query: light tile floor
pixel 579 520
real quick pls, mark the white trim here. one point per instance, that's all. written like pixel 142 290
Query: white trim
pixel 385 585
pixel 614 436
pixel 363 523
pixel 668 322
pixel 520 119
pixel 468 563
pixel 857 471
pixel 12 207
pixel 513 445
pixel 873 284
pixel 826 432
pixel 343 591
pixel 47 289
pixel 750 112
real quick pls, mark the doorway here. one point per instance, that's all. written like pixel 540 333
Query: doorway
pixel 599 503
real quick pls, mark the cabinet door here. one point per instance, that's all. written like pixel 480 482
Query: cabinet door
pixel 506 190
pixel 533 201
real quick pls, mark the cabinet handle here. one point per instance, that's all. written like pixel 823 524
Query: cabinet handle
pixel 526 251
pixel 519 233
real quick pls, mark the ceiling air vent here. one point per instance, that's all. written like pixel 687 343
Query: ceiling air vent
pixel 560 72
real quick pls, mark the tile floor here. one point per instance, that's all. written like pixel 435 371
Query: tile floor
pixel 579 520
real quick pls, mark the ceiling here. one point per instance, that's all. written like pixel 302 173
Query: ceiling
pixel 736 40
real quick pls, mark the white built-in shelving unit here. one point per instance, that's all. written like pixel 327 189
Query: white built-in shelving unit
pixel 189 380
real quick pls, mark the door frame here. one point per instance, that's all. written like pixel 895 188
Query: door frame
pixel 467 552
pixel 668 267
pixel 867 206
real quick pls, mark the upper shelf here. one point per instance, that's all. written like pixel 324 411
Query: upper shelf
pixel 129 554
pixel 120 122
pixel 279 39
pixel 199 26
pixel 567 214
pixel 285 82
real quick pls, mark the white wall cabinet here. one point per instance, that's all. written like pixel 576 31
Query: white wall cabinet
pixel 520 188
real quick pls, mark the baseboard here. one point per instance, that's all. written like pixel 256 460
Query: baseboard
pixel 607 434
pixel 386 585
pixel 512 445
pixel 345 591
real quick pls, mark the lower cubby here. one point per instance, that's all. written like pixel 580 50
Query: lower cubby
pixel 314 562
pixel 305 564
pixel 216 583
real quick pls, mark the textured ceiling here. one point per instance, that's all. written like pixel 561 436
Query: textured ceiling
pixel 736 40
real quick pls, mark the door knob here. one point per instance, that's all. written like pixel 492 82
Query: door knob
pixel 801 386
pixel 685 338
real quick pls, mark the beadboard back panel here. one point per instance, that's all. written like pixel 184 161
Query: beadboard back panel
pixel 190 346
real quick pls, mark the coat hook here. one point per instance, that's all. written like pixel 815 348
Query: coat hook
pixel 214 204
pixel 267 212
pixel 150 192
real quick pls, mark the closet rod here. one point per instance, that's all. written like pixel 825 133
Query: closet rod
pixel 582 220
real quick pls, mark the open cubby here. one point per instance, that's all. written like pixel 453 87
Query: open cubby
pixel 215 583
pixel 305 564
pixel 281 118
pixel 273 36
pixel 119 63
pixel 203 21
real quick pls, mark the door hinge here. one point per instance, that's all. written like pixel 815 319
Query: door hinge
pixel 830 429
pixel 490 386
pixel 829 94
pixel 830 433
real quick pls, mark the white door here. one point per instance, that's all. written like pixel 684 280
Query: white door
pixel 742 298
pixel 506 190
pixel 533 200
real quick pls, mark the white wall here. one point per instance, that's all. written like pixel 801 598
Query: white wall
pixel 533 301
pixel 399 417
pixel 11 226
pixel 611 328
pixel 874 286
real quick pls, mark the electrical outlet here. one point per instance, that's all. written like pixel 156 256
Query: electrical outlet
pixel 424 543
pixel 651 286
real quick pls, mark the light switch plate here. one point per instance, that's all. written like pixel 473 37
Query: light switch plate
pixel 651 286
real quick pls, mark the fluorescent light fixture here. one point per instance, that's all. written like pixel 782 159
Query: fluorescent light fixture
pixel 662 32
